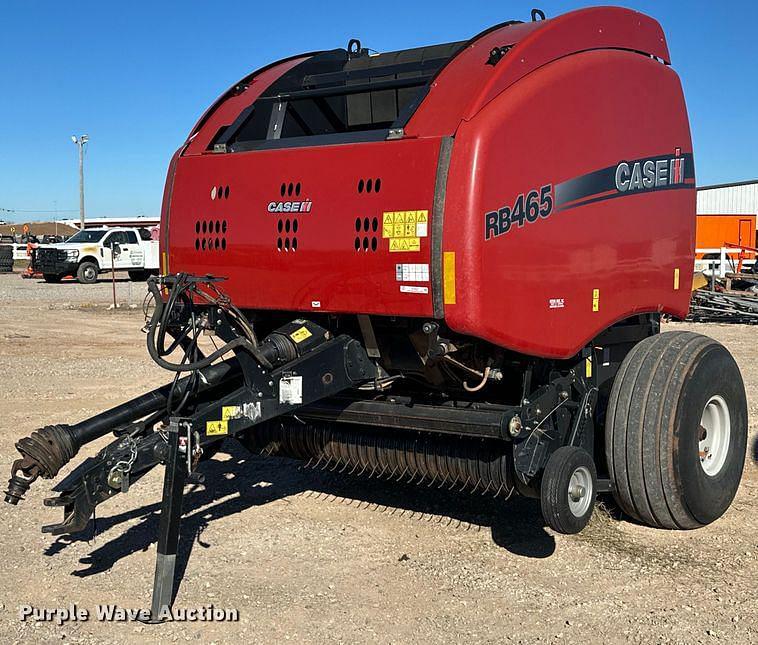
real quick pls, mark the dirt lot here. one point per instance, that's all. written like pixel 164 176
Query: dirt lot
pixel 310 557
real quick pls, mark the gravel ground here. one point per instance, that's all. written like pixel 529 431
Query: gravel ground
pixel 310 557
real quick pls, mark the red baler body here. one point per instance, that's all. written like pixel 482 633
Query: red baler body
pixel 576 106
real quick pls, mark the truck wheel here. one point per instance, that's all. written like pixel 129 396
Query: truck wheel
pixel 138 276
pixel 52 277
pixel 87 273
pixel 567 492
pixel 676 431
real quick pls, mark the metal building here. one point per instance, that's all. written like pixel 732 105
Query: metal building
pixel 740 198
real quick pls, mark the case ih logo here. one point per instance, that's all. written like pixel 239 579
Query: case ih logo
pixel 290 207
pixel 647 174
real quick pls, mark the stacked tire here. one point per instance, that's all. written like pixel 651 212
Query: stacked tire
pixel 6 259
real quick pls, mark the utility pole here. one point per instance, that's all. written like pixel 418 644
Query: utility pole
pixel 81 141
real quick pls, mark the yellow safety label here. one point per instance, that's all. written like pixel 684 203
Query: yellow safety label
pixel 404 244
pixel 231 412
pixel 299 335
pixel 216 428
pixel 404 229
pixel 596 300
pixel 676 279
pixel 588 368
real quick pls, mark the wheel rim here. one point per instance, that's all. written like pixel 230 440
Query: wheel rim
pixel 89 273
pixel 580 491
pixel 715 434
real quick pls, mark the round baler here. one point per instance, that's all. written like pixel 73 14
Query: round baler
pixel 445 265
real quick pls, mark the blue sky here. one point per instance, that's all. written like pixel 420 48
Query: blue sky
pixel 135 76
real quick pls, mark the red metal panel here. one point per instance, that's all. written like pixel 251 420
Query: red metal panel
pixel 325 272
pixel 578 115
pixel 467 83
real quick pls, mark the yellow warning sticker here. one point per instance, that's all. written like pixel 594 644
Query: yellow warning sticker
pixel 405 244
pixel 676 279
pixel 231 412
pixel 299 335
pixel 213 428
pixel 596 300
pixel 404 229
pixel 588 368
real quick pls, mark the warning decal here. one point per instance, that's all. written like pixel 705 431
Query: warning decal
pixel 216 428
pixel 404 229
pixel 299 335
pixel 231 412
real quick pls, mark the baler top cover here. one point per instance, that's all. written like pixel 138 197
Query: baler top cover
pixel 421 182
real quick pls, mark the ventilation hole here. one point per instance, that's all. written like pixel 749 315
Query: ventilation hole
pixel 205 226
pixel 197 245
pixel 357 244
pixel 365 224
pixel 210 244
pixel 223 244
pixel 369 185
pixel 373 244
pixel 294 244
pixel 279 244
pixel 297 189
pixel 357 224
pixel 226 192
pixel 197 226
pixel 220 192
pixel 287 226
pixel 283 189
pixel 374 224
pixel 365 244
pixel 290 188
pixel 279 226
pixel 377 185
pixel 286 244
pixel 213 193
pixel 360 186
pixel 294 226
pixel 223 226
pixel 217 226
pixel 204 243
pixel 216 244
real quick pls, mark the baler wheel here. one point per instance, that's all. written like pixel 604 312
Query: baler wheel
pixel 567 492
pixel 676 431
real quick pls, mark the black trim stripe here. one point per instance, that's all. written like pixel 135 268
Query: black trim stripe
pixel 600 185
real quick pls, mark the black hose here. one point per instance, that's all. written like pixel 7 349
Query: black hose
pixel 158 324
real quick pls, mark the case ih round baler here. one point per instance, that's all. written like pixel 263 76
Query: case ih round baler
pixel 445 265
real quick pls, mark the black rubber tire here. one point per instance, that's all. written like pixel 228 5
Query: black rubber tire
pixel 554 490
pixel 138 276
pixel 87 272
pixel 52 277
pixel 652 430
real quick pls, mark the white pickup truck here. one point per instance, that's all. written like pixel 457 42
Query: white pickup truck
pixel 92 251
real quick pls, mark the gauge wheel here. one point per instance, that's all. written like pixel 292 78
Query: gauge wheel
pixel 567 492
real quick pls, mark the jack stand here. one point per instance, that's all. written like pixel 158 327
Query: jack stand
pixel 171 517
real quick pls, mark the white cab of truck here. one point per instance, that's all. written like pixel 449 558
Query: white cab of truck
pixel 92 251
